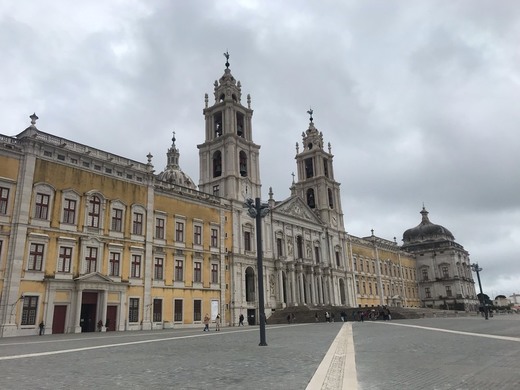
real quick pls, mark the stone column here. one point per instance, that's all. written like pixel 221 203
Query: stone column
pixel 77 316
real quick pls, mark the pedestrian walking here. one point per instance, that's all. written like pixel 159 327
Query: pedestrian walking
pixel 316 317
pixel 288 318
pixel 241 320
pixel 206 323
pixel 217 323
pixel 42 328
pixel 343 316
pixel 293 318
pixel 332 316
pixel 327 316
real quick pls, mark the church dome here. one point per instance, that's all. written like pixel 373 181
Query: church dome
pixel 173 174
pixel 426 231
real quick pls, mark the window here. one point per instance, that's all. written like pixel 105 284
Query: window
pixel 157 310
pixel 179 270
pixel 94 211
pixel 448 291
pixel 364 288
pixel 64 259
pixel 135 266
pixel 197 272
pixel 370 288
pixel 214 273
pixel 158 269
pixel 179 231
pixel 197 310
pixel 137 227
pixel 69 211
pixel 117 220
pixel 242 163
pixel 197 235
pixel 133 310
pixel 299 247
pixel 217 164
pixel 240 124
pixel 216 190
pixel 357 287
pixel 310 198
pixel 91 259
pixel 309 168
pixel 247 241
pixel 373 267
pixel 338 260
pixel 279 247
pixel 445 271
pixel 424 274
pixel 177 310
pixel 114 263
pixel 331 198
pixel 355 264
pixel 42 206
pixel 377 290
pixel 326 167
pixel 36 257
pixel 30 307
pixel 159 228
pixel 214 238
pixel 4 199
pixel 427 292
pixel 361 266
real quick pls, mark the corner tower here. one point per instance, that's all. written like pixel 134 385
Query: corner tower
pixel 316 184
pixel 229 159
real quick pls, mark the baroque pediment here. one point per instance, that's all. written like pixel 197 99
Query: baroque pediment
pixel 94 277
pixel 296 207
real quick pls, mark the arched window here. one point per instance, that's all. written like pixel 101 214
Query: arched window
pixel 243 163
pixel 217 123
pixel 331 198
pixel 217 163
pixel 94 211
pixel 240 124
pixel 310 198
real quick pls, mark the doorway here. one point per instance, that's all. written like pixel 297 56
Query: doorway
pixel 58 319
pixel 88 311
pixel 111 318
pixel 251 316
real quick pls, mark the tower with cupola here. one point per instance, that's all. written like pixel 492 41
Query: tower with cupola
pixel 229 159
pixel 316 183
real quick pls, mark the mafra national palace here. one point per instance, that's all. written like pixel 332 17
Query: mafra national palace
pixel 90 240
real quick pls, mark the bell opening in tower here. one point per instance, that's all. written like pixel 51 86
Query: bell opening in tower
pixel 243 164
pixel 217 123
pixel 240 125
pixel 217 163
pixel 309 168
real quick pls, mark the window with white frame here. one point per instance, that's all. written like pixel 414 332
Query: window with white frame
pixel 448 291
pixel 214 237
pixel 135 266
pixel 427 292
pixel 94 212
pixel 69 211
pixel 114 263
pixel 65 259
pixel 214 273
pixel 197 272
pixel 159 227
pixel 137 223
pixel 91 259
pixel 29 310
pixel 158 273
pixel 197 234
pixel 247 240
pixel 133 310
pixel 116 224
pixel 179 270
pixel 179 231
pixel 36 253
pixel 4 200
pixel 41 206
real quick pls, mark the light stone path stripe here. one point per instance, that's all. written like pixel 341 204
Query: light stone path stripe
pixel 489 336
pixel 337 370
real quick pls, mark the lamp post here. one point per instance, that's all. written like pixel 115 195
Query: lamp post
pixel 475 268
pixel 258 210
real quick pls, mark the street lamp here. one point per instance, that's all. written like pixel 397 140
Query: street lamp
pixel 258 210
pixel 475 268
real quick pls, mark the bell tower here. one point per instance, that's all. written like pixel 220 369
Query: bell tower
pixel 229 159
pixel 316 184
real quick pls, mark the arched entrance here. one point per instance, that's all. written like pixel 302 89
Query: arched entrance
pixel 250 284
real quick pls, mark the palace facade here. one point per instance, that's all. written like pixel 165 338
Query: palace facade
pixel 90 240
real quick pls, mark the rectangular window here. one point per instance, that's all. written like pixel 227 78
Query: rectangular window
pixel 424 274
pixel 91 260
pixel 4 199
pixel 69 211
pixel 247 241
pixel 214 238
pixel 94 211
pixel 427 292
pixel 214 273
pixel 445 272
pixel 138 224
pixel 197 235
pixel 114 263
pixel 448 291
pixel 177 310
pixel 197 272
pixel 42 206
pixel 179 231
pixel 317 254
pixel 158 269
pixel 364 288
pixel 159 228
pixel 117 220
pixel 338 261
pixel 157 310
pixel 135 269
pixel 309 168
pixel 357 287
pixel 355 264
pixel 36 257
pixel 133 310
pixel 30 307
pixel 179 270
pixel 216 190
pixel 361 266
pixel 64 259
pixel 279 247
pixel 197 310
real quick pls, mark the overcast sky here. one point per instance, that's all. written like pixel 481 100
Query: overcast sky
pixel 418 99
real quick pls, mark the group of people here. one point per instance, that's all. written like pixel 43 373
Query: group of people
pixel 207 320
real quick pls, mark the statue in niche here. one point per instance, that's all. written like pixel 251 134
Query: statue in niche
pixel 271 284
pixel 309 251
pixel 290 248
